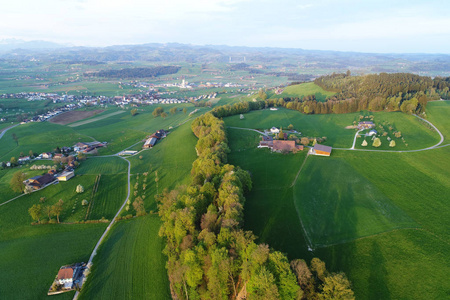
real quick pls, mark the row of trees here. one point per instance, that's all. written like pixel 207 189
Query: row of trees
pixel 137 72
pixel 210 256
pixel 37 211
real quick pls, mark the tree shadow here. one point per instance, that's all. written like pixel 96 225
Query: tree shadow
pixel 377 278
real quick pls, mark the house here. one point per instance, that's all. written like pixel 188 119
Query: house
pixel 160 134
pixel 321 150
pixel 86 147
pixel 273 108
pixel 65 176
pixel 149 143
pixel 286 146
pixel 23 159
pixel 279 145
pixel 274 130
pixel 372 132
pixel 366 125
pixel 58 155
pixel 38 182
pixel 46 155
pixel 65 277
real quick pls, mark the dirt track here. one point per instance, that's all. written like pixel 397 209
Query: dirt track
pixel 73 116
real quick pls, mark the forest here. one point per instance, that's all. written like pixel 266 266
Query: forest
pixel 137 72
pixel 210 256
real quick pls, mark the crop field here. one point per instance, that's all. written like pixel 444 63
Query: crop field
pixel 73 116
pixel 97 118
pixel 305 89
pixel 130 264
pixel 382 218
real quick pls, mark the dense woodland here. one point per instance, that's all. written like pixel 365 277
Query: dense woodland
pixel 210 256
pixel 138 72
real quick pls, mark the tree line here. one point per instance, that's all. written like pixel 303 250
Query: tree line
pixel 137 72
pixel 210 256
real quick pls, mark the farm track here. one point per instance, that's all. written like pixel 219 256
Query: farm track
pixel 6 129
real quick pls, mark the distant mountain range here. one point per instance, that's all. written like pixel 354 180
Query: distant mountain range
pixel 173 53
pixel 12 44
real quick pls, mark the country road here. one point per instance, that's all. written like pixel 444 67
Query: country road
pixel 5 130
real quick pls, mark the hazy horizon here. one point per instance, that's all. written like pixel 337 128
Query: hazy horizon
pixel 348 25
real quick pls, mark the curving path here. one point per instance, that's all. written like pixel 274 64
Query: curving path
pixel 94 252
pixel 250 129
pixel 5 130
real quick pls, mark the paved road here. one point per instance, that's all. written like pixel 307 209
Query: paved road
pixel 5 130
pixel 354 140
pixel 94 252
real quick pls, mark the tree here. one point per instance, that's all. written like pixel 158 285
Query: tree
pixel 164 115
pixel 57 208
pixel 392 144
pixel 13 160
pixel 48 211
pixel 158 111
pixel 173 110
pixel 290 127
pixel 30 153
pixel 134 111
pixel 398 134
pixel 262 286
pixel 79 189
pixel 81 156
pixel 376 142
pixel 15 138
pixel 17 180
pixel 337 287
pixel 302 272
pixel 304 141
pixel 138 205
pixel 318 267
pixel 35 212
pixel 185 110
pixel 364 143
pixel 84 202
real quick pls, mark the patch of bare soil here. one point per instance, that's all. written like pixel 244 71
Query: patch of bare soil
pixel 73 116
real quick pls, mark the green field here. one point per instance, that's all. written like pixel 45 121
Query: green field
pixel 130 264
pixel 438 112
pixel 305 89
pixel 382 218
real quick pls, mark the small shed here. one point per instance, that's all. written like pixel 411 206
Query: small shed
pixel 372 132
pixel 321 150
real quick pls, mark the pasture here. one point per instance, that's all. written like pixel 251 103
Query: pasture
pixel 305 89
pixel 380 217
pixel 438 113
pixel 130 263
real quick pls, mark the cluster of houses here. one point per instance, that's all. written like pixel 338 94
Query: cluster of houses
pixel 288 146
pixel 367 125
pixel 151 141
pixel 86 147
pixel 41 181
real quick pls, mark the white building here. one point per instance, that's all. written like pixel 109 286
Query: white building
pixel 274 130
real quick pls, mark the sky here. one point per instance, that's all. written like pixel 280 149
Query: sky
pixel 382 26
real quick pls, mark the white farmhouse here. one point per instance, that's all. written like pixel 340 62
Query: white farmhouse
pixel 274 130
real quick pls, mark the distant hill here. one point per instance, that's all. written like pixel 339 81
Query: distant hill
pixel 293 60
pixel 13 44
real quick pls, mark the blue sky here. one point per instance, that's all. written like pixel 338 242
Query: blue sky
pixel 345 25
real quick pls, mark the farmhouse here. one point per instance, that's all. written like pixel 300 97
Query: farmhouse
pixel 372 132
pixel 23 159
pixel 38 182
pixel 279 145
pixel 46 155
pixel 321 150
pixel 65 277
pixel 149 143
pixel 66 175
pixel 86 147
pixel 366 125
pixel 274 130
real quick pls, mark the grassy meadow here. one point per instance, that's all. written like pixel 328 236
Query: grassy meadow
pixel 382 218
pixel 438 113
pixel 305 89
pixel 130 263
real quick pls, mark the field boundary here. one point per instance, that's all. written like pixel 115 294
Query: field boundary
pixel 95 119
